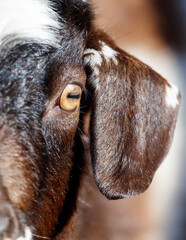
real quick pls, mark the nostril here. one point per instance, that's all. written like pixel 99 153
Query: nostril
pixel 4 223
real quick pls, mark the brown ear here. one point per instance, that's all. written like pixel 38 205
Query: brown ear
pixel 133 117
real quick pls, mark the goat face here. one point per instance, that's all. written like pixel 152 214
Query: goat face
pixel 41 84
pixel 47 56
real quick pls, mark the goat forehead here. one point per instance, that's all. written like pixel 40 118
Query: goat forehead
pixel 29 19
pixel 43 21
pixel 22 62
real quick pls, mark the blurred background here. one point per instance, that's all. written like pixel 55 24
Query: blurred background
pixel 155 32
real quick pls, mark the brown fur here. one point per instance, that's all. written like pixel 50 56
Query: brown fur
pixel 46 176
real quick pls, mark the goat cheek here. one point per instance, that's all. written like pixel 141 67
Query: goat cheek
pixel 59 137
pixel 14 174
pixel 60 127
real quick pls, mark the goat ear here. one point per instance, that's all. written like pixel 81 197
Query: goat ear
pixel 133 116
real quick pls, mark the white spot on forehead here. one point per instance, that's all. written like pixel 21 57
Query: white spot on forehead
pixel 28 19
pixel 109 53
pixel 171 97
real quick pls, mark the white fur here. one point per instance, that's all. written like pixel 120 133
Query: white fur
pixel 28 235
pixel 109 53
pixel 172 96
pixel 92 57
pixel 95 59
pixel 28 19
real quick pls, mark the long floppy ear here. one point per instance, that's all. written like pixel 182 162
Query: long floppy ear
pixel 133 116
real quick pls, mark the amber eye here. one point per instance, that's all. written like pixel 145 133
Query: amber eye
pixel 70 97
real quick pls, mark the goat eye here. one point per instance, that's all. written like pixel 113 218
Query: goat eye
pixel 70 97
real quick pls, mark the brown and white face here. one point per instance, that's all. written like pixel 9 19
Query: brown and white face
pixel 41 82
pixel 36 151
pixel 133 115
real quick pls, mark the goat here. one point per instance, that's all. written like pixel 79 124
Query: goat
pixel 55 68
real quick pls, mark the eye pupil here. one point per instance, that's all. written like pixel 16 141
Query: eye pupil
pixel 73 96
